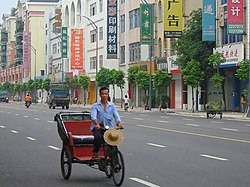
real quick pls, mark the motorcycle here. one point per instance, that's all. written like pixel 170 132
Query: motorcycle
pixel 27 104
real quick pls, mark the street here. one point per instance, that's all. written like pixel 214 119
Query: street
pixel 159 150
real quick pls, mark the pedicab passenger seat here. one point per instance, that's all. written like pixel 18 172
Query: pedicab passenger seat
pixel 75 125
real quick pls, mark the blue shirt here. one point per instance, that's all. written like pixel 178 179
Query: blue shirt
pixel 104 116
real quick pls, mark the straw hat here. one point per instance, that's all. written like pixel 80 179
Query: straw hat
pixel 113 137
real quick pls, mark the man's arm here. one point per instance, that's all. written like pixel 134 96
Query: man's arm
pixel 117 118
pixel 93 113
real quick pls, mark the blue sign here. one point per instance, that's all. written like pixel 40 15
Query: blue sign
pixel 208 20
pixel 112 29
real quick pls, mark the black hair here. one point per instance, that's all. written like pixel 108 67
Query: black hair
pixel 103 88
pixel 126 96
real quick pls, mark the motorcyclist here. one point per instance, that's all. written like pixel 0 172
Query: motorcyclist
pixel 27 99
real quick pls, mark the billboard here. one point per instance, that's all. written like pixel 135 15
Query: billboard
pixel 76 49
pixel 208 20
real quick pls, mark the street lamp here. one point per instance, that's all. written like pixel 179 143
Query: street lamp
pixel 150 55
pixel 95 27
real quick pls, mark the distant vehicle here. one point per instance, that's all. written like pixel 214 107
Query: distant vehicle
pixel 58 98
pixel 4 96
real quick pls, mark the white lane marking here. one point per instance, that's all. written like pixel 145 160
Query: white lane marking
pixel 8 113
pixel 30 138
pixel 144 115
pixel 214 157
pixel 25 116
pixel 217 122
pixel 227 129
pixel 156 145
pixel 165 117
pixel 17 114
pixel 53 147
pixel 3 127
pixel 50 121
pixel 162 121
pixel 139 119
pixel 14 131
pixel 144 182
pixel 37 119
pixel 187 119
pixel 193 125
pixel 248 125
pixel 2 111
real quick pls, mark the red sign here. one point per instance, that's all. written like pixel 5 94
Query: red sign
pixel 76 49
pixel 235 12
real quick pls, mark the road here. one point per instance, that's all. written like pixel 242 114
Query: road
pixel 159 150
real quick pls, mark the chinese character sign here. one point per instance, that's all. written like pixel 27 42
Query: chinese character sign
pixel 64 40
pixel 235 19
pixel 112 29
pixel 146 22
pixel 208 20
pixel 173 18
pixel 76 49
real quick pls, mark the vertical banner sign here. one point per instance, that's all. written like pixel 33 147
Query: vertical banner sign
pixel 112 29
pixel 172 18
pixel 76 49
pixel 64 42
pixel 146 22
pixel 208 20
pixel 235 16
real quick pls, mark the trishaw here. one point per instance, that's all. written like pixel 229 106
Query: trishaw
pixel 77 140
pixel 214 107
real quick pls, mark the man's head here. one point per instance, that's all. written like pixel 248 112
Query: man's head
pixel 28 94
pixel 104 93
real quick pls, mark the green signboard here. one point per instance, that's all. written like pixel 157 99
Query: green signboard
pixel 235 29
pixel 64 42
pixel 146 15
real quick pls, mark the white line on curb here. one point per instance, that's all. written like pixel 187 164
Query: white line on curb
pixel 156 145
pixel 53 147
pixel 144 182
pixel 214 157
pixel 14 131
pixel 30 138
pixel 227 129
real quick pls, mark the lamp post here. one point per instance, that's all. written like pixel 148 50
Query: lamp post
pixel 151 54
pixel 95 27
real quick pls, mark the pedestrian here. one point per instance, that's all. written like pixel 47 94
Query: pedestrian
pixel 126 102
pixel 243 102
pixel 102 114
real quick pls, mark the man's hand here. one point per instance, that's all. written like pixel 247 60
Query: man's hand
pixel 120 125
pixel 98 127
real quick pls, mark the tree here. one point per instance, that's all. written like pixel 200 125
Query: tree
pixel 103 77
pixel 161 80
pixel 46 84
pixel 243 72
pixel 132 71
pixel 71 83
pixel 113 81
pixel 192 76
pixel 119 81
pixel 83 82
pixel 142 80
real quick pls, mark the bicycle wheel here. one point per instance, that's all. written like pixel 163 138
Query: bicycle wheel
pixel 117 167
pixel 66 163
pixel 108 170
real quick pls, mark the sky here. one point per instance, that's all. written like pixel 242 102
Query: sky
pixel 5 6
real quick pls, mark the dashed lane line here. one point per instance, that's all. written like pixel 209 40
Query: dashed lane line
pixel 227 129
pixel 25 116
pixel 1 126
pixel 196 134
pixel 192 125
pixel 160 121
pixel 156 145
pixel 217 122
pixel 16 132
pixel 50 121
pixel 187 119
pixel 17 114
pixel 214 157
pixel 30 138
pixel 146 183
pixel 139 119
pixel 164 117
pixel 53 147
pixel 36 119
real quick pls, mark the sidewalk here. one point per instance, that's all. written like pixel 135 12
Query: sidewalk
pixel 225 115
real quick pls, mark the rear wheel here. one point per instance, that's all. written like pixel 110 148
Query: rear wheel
pixel 66 162
pixel 117 167
pixel 54 107
pixel 62 107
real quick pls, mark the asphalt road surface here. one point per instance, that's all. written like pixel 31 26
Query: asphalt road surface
pixel 159 149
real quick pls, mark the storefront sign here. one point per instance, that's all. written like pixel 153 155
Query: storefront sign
pixel 64 42
pixel 76 49
pixel 208 20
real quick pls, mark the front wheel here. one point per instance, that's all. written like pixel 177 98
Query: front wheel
pixel 66 162
pixel 117 167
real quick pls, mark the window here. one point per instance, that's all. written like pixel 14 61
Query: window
pixel 101 33
pixel 92 62
pixel 122 54
pixel 100 61
pixel 160 11
pixel 122 23
pixel 54 48
pixel 93 9
pixel 134 19
pixel 134 52
pixel 223 2
pixel 92 36
pixel 100 5
pixel 122 1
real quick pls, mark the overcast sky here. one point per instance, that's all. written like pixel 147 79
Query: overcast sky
pixel 5 6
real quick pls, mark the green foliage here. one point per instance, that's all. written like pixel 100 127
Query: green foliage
pixel 142 79
pixel 243 72
pixel 161 80
pixel 119 78
pixel 216 60
pixel 190 45
pixel 84 81
pixel 39 83
pixel 103 77
pixel 71 82
pixel 46 84
pixel 30 85
pixel 17 88
pixel 132 71
pixel 217 80
pixel 192 74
